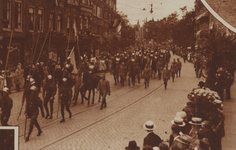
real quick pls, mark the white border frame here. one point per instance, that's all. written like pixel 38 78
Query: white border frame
pixel 16 134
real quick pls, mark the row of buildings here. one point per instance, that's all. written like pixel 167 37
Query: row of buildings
pixel 58 21
pixel 217 15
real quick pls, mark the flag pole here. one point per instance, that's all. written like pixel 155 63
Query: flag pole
pixel 8 50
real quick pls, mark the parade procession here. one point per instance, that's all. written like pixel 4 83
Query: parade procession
pixel 116 74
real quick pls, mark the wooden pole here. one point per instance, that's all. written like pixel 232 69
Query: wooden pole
pixel 68 44
pixel 34 52
pixel 8 50
pixel 41 49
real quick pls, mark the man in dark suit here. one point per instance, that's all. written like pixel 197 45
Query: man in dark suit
pixel 151 139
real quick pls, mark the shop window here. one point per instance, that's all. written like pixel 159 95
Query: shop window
pixel 94 9
pixel 68 24
pixel 51 21
pixel 98 11
pixel 18 15
pixel 6 14
pixel 31 18
pixel 86 23
pixel 59 22
pixel 81 24
pixel 40 19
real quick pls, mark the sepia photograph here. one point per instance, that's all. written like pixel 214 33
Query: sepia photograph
pixel 117 74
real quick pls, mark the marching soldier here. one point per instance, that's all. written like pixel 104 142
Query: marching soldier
pixel 173 69
pixel 166 76
pixel 50 90
pixel 103 88
pixel 6 106
pixel 146 75
pixel 131 71
pixel 179 66
pixel 31 111
pixel 122 73
pixel 65 97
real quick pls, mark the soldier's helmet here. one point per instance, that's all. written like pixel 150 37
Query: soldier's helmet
pixel 68 58
pixel 64 79
pixel 32 81
pixel 33 88
pixel 49 77
pixel 6 90
pixel 67 66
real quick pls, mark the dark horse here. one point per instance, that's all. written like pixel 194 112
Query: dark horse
pixel 90 82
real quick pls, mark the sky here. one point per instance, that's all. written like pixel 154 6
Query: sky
pixel 161 8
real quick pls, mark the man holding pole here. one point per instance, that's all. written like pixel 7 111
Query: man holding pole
pixel 6 106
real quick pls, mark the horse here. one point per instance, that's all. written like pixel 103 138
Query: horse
pixel 90 82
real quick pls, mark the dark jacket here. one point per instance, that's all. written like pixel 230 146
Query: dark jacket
pixel 152 139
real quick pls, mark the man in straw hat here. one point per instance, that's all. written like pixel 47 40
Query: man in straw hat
pixel 151 139
pixel 6 106
pixel 183 142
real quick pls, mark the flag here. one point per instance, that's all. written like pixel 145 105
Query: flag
pixel 114 23
pixel 73 62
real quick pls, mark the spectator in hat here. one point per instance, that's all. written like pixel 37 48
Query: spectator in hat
pixel 148 147
pixel 151 139
pixel 18 78
pixel 132 146
pixel 175 133
pixel 196 123
pixel 6 106
pixel 182 142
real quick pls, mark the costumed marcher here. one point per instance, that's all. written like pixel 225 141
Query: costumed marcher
pixel 147 75
pixel 78 87
pixel 103 88
pixel 173 69
pixel 50 90
pixel 32 103
pixel 131 70
pixel 166 76
pixel 122 73
pixel 179 66
pixel 151 139
pixel 65 97
pixel 6 106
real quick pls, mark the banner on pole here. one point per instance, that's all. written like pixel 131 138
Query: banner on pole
pixel 73 62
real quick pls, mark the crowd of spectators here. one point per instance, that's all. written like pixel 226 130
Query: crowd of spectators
pixel 198 126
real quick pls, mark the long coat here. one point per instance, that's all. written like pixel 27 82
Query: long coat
pixel 152 139
pixel 166 74
pixel 103 86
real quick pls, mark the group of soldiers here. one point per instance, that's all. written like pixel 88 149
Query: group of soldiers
pixel 150 63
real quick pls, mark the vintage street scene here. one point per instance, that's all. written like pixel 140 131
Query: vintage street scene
pixel 117 74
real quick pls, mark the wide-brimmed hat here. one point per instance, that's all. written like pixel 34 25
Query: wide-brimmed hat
pixel 178 121
pixel 149 125
pixel 185 139
pixel 181 114
pixel 196 121
pixel 132 146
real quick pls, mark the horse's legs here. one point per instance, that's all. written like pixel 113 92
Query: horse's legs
pixel 89 96
pixel 93 96
pixel 82 97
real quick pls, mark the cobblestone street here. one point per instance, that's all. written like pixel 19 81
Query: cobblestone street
pixel 128 108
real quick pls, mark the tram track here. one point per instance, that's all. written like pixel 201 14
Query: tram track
pixel 106 117
pixel 53 122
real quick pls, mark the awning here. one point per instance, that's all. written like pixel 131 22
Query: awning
pixel 202 15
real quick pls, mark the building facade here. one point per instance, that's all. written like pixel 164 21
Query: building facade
pixel 59 25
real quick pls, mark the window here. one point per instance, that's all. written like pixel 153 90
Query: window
pixel 51 21
pixel 74 26
pixel 81 23
pixel 98 11
pixel 105 16
pixel 6 14
pixel 31 18
pixel 40 19
pixel 59 22
pixel 86 23
pixel 106 1
pixel 68 23
pixel 18 14
pixel 114 7
pixel 94 9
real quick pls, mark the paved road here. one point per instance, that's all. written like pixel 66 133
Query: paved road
pixel 128 108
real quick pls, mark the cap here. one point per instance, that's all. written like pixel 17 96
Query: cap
pixel 33 88
pixel 49 77
pixel 64 79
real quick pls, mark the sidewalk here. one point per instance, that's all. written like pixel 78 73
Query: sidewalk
pixel 228 142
